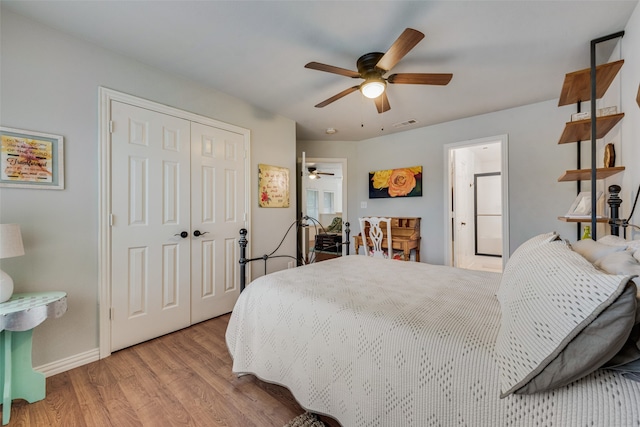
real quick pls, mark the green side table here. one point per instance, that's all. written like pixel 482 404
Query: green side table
pixel 18 317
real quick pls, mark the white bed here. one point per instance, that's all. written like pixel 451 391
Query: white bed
pixel 390 343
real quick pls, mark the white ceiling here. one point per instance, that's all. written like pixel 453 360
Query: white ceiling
pixel 502 54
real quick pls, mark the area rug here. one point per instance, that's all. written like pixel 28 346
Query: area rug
pixel 305 420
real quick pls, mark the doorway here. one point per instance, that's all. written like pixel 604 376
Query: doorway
pixel 174 194
pixel 477 230
pixel 323 198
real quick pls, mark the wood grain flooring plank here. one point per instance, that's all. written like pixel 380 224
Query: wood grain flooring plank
pixel 180 379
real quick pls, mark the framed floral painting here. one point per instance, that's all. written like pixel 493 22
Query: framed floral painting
pixel 273 186
pixel 402 182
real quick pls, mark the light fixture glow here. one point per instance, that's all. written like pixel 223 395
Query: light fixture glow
pixel 373 87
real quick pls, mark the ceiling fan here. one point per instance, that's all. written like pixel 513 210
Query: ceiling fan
pixel 314 174
pixel 373 66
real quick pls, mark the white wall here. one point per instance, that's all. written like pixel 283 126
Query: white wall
pixel 49 83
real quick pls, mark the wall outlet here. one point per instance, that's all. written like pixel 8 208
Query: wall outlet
pixel 291 265
pixel 363 205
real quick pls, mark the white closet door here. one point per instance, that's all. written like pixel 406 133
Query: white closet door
pixel 150 273
pixel 217 212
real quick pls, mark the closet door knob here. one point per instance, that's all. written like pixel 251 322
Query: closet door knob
pixel 184 234
pixel 198 233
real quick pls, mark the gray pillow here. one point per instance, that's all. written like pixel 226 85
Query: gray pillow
pixel 550 297
pixel 592 250
pixel 627 360
pixel 597 344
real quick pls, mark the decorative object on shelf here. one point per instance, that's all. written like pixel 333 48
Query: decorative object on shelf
pixel 31 159
pixel 10 246
pixel 600 112
pixel 609 156
pixel 581 206
pixel 587 232
pixel 273 186
pixel 403 182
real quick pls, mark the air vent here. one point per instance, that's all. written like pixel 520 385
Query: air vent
pixel 405 123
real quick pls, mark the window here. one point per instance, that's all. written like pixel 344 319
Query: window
pixel 328 197
pixel 312 204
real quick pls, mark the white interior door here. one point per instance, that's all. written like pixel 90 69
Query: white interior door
pixel 150 267
pixel 217 213
pixel 463 208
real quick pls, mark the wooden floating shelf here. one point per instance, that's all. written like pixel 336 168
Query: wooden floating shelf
pixel 585 174
pixel 577 85
pixel 580 130
pixel 572 219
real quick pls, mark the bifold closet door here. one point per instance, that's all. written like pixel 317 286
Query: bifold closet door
pixel 218 212
pixel 151 202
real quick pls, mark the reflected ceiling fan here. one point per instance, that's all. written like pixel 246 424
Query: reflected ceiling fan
pixel 314 174
pixel 373 66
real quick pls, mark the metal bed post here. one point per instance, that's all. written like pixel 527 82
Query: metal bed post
pixel 243 258
pixel 614 204
pixel 347 231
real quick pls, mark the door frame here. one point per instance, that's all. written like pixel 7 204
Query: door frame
pixel 303 197
pixel 448 186
pixel 105 96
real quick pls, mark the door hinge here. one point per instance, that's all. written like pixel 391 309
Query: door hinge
pixel 111 313
pixel 110 220
pixel 110 126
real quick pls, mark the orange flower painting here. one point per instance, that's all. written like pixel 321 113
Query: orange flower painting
pixel 402 182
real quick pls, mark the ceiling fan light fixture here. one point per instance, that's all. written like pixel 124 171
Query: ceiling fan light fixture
pixel 373 87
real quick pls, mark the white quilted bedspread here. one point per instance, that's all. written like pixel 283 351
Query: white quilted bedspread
pixel 399 344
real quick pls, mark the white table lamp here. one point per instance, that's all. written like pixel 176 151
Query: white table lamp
pixel 10 246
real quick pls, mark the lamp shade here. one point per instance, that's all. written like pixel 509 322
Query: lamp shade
pixel 373 87
pixel 10 241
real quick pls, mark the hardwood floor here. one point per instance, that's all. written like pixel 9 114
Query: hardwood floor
pixel 180 379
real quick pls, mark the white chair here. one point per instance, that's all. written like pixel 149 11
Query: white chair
pixel 375 236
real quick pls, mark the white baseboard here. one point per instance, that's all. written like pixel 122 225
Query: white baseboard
pixel 71 362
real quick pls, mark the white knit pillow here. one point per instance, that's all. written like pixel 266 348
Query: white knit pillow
pixel 549 296
pixel 523 252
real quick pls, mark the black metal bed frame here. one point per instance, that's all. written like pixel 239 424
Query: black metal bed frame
pixel 243 249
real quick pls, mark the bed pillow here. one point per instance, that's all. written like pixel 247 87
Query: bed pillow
pixel 592 250
pixel 548 298
pixel 603 341
pixel 612 240
pixel 627 360
pixel 619 263
pixel 523 252
pixel 632 246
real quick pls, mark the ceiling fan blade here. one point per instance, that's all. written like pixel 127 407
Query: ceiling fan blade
pixel 331 69
pixel 407 41
pixel 420 79
pixel 382 103
pixel 336 97
pixel 326 173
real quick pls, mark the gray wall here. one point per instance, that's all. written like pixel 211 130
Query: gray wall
pixel 49 83
pixel 535 163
